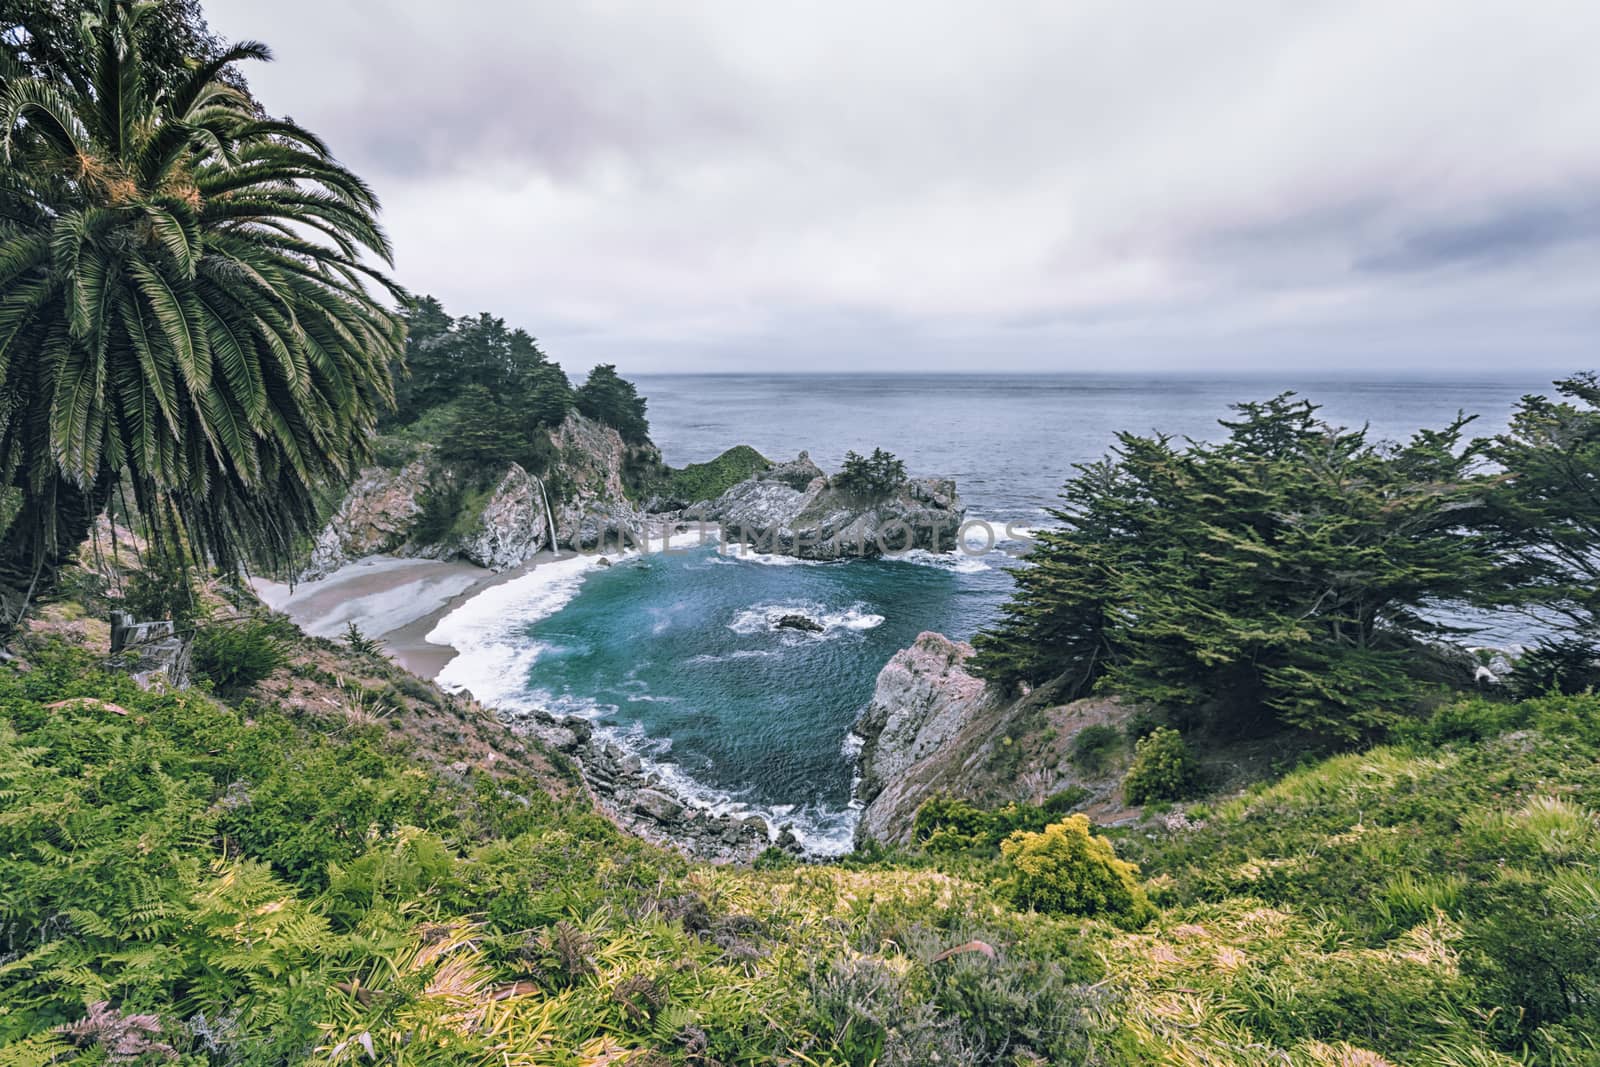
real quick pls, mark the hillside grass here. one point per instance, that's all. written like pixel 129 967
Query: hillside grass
pixel 272 887
pixel 699 482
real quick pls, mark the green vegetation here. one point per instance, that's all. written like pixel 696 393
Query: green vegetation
pixel 234 655
pixel 1065 870
pixel 1286 571
pixel 263 885
pixel 870 476
pixel 1547 508
pixel 947 824
pixel 186 312
pixel 162 588
pixel 249 887
pixel 358 642
pixel 486 394
pixel 608 398
pixel 706 481
pixel 1472 840
pixel 1163 768
pixel 1093 745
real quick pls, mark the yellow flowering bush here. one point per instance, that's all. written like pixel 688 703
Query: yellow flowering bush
pixel 1065 870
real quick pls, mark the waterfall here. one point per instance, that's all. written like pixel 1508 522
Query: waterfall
pixel 549 516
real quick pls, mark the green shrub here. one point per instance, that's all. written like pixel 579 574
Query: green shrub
pixel 1530 947
pixel 870 476
pixel 1567 667
pixel 359 642
pixel 237 654
pixel 1163 768
pixel 709 480
pixel 162 588
pixel 1065 870
pixel 945 824
pixel 1093 745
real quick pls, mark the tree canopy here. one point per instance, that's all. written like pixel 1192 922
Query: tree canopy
pixel 870 476
pixel 186 305
pixel 1286 568
pixel 609 398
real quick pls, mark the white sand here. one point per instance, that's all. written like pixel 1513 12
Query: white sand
pixel 394 601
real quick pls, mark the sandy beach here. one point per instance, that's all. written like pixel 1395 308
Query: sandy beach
pixel 395 601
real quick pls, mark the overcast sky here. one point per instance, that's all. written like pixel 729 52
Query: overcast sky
pixel 1391 186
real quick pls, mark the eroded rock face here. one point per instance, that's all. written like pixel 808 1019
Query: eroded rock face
pixel 793 509
pixel 932 727
pixel 381 509
pixel 596 512
pixel 924 699
pixel 376 516
pixel 513 525
pixel 636 799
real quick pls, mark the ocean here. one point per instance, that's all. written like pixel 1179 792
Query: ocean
pixel 676 656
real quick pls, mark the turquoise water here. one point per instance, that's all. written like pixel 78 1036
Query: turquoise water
pixel 680 652
pixel 674 655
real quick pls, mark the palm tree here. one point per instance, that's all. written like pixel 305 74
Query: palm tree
pixel 185 313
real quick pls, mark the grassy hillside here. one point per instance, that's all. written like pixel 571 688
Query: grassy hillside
pixel 260 883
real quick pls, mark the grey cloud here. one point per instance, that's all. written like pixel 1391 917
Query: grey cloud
pixel 1508 232
pixel 1045 185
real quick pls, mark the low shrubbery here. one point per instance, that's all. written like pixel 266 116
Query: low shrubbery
pixel 706 481
pixel 235 654
pixel 1065 870
pixel 246 886
pixel 946 824
pixel 1163 768
pixel 1092 746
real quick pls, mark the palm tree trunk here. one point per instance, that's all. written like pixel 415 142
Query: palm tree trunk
pixel 36 546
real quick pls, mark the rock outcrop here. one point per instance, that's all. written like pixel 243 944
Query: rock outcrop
pixel 595 510
pixel 154 653
pixel 636 800
pixel 932 727
pixel 794 509
pixel 384 508
pixel 376 516
pixel 791 509
pixel 513 525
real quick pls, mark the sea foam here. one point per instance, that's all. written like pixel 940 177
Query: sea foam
pixel 489 632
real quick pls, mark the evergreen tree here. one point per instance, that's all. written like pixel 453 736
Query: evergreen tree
pixel 611 399
pixel 870 476
pixel 1547 505
pixel 1283 569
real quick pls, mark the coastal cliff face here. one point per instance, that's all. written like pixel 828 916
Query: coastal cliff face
pixel 933 728
pixel 794 509
pixel 788 509
pixel 595 510
pixel 377 514
pixel 384 508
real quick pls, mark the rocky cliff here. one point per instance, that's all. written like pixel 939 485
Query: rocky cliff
pixel 934 728
pixel 386 510
pixel 795 509
pixel 584 503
